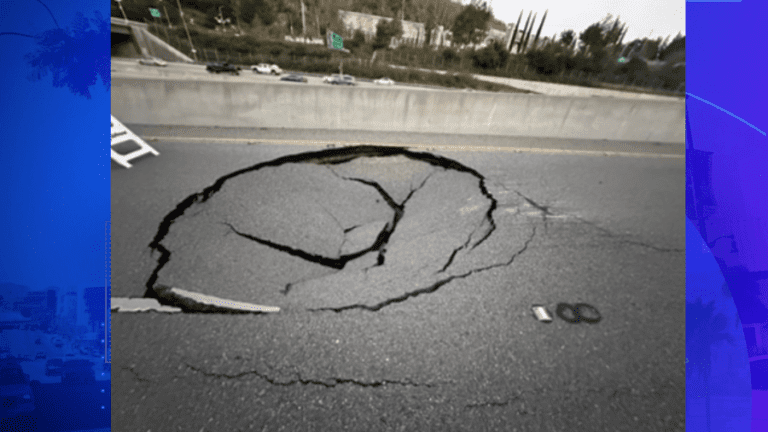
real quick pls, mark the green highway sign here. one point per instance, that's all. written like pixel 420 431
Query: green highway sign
pixel 336 41
pixel 154 12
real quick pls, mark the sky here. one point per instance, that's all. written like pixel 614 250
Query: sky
pixel 55 204
pixel 643 18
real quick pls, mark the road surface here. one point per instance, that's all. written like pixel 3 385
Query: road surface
pixel 575 222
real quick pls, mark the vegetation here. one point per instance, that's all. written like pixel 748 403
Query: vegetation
pixel 255 29
pixel 470 26
pixel 385 31
pixel 494 56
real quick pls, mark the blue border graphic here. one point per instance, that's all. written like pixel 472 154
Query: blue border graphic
pixel 54 167
pixel 727 186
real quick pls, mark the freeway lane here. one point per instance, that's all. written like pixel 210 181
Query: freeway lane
pixel 603 230
pixel 122 68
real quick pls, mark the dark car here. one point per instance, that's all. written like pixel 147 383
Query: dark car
pixel 294 78
pixel 16 397
pixel 223 68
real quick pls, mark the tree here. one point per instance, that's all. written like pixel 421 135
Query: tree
pixel 385 31
pixel 597 37
pixel 601 34
pixel 538 33
pixel 515 29
pixel 265 11
pixel 592 36
pixel 358 45
pixel 677 45
pixel 470 25
pixel 493 56
pixel 567 37
pixel 526 30
pixel 528 34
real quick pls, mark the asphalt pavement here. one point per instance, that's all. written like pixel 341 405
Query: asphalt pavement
pixel 593 223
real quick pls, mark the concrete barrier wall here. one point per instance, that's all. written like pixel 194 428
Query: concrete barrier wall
pixel 291 105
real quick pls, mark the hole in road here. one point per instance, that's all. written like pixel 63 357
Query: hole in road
pixel 354 227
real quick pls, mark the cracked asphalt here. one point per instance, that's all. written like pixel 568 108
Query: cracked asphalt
pixel 441 337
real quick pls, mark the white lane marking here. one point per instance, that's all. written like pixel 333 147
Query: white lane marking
pixel 429 147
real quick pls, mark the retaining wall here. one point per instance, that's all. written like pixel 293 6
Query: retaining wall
pixel 197 102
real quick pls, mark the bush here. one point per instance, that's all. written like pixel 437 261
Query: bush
pixel 546 61
pixel 450 55
pixel 385 31
pixel 634 69
pixel 493 56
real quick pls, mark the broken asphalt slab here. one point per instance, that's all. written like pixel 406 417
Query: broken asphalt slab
pixel 282 232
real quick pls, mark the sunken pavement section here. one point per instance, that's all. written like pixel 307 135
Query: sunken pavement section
pixel 349 228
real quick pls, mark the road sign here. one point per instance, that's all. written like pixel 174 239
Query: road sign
pixel 335 41
pixel 154 12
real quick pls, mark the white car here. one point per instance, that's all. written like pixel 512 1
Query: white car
pixel 384 81
pixel 264 68
pixel 340 80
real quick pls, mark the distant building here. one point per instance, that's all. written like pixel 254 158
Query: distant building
pixel 95 306
pixel 35 305
pixel 413 33
pixel 11 320
pixel 69 308
pixel 11 293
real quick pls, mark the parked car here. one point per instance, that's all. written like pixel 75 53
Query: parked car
pixel 384 81
pixel 294 78
pixel 152 61
pixel 264 68
pixel 15 390
pixel 342 80
pixel 223 68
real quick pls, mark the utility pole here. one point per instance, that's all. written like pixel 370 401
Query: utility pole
pixel 167 17
pixel 303 23
pixel 181 13
pixel 120 4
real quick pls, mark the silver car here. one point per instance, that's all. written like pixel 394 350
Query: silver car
pixel 342 80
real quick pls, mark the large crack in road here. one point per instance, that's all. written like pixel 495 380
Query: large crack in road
pixel 350 228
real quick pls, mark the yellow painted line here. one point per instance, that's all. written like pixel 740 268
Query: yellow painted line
pixel 418 145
